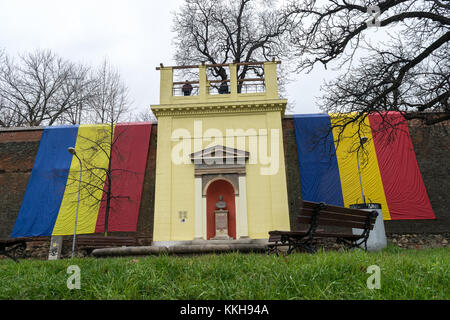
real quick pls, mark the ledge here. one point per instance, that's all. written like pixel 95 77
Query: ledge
pixel 208 109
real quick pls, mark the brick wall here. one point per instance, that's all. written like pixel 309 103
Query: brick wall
pixel 431 144
pixel 292 171
pixel 146 212
pixel 17 153
pixel 432 148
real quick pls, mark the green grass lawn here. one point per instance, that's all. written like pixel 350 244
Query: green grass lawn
pixel 405 274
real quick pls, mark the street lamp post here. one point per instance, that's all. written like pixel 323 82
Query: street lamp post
pixel 73 152
pixel 362 141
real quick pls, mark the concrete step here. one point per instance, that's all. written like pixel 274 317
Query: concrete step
pixel 214 242
pixel 208 242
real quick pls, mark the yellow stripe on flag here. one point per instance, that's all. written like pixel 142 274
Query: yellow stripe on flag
pixel 93 148
pixel 348 166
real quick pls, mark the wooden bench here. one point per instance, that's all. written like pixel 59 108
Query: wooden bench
pixel 315 215
pixel 91 242
pixel 14 247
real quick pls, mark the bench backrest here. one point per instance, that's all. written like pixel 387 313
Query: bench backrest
pixel 88 240
pixel 331 215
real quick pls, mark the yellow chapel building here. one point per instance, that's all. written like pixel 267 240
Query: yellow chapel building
pixel 220 171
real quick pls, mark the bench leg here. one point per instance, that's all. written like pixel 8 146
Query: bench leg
pixel 6 254
pixel 296 244
pixel 273 248
pixel 352 243
pixel 293 244
pixel 307 244
pixel 12 253
pixel 291 248
pixel 311 249
pixel 359 244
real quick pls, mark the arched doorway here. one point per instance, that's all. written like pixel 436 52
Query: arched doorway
pixel 216 189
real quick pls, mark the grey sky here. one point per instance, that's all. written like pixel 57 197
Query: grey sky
pixel 134 35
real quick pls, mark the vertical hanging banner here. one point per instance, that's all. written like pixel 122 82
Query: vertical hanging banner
pixel 128 162
pixel 50 203
pixel 348 157
pixel 405 191
pixel 319 171
pixel 47 183
pixel 328 164
pixel 92 148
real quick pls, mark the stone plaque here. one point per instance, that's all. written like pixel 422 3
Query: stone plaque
pixel 221 219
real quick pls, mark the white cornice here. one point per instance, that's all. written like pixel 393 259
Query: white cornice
pixel 208 109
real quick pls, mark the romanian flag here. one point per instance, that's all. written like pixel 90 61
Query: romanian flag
pixel 329 160
pixel 108 153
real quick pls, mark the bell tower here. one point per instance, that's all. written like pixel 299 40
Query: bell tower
pixel 219 130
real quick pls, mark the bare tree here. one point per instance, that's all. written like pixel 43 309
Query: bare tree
pixel 40 89
pixel 84 87
pixel 107 103
pixel 145 116
pixel 408 71
pixel 108 98
pixel 8 116
pixel 104 161
pixel 97 179
pixel 219 32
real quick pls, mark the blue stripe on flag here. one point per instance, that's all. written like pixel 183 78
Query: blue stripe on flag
pixel 47 183
pixel 319 171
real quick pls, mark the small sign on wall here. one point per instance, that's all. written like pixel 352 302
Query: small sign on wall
pixel 182 215
pixel 56 243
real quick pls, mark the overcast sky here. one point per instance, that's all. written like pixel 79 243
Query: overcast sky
pixel 134 35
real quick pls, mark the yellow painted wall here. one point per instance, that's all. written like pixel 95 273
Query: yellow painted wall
pixel 267 204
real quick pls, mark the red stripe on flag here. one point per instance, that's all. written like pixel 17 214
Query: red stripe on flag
pixel 405 191
pixel 128 163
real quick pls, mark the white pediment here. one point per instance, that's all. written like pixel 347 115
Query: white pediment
pixel 219 152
